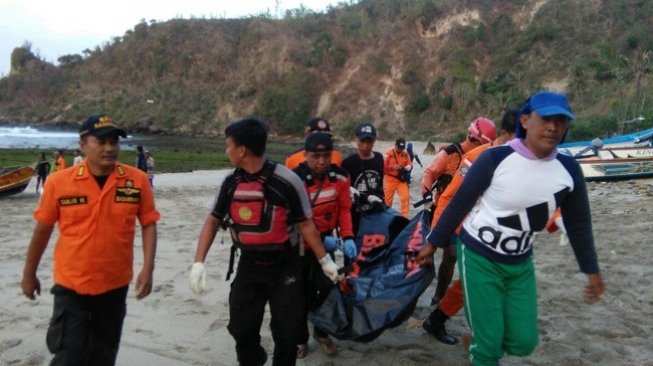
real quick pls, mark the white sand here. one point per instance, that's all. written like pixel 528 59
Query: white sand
pixel 174 327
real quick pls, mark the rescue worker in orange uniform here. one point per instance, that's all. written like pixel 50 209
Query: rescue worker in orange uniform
pixel 264 205
pixel 328 190
pixel 96 204
pixel 313 125
pixel 396 170
pixel 59 161
pixel 452 301
pixel 439 174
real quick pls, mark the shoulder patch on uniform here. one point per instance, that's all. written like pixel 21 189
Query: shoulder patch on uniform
pixel 71 201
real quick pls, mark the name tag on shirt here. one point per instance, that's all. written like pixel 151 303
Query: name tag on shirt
pixel 70 201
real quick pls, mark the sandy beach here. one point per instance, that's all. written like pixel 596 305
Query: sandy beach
pixel 174 327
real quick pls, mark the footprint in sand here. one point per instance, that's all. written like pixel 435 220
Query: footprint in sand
pixel 218 324
pixel 143 331
pixel 9 343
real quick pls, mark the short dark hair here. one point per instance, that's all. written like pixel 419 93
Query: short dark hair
pixel 509 120
pixel 251 133
pixel 139 148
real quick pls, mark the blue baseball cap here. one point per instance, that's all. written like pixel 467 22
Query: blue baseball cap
pixel 545 104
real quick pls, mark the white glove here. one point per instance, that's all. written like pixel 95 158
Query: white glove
pixel 560 224
pixel 373 199
pixel 408 167
pixel 197 277
pixel 329 268
pixel 353 193
pixel 564 239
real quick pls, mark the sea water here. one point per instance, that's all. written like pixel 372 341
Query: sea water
pixel 33 138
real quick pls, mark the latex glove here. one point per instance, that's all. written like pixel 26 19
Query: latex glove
pixel 331 243
pixel 408 167
pixel 349 248
pixel 353 193
pixel 564 239
pixel 329 268
pixel 373 199
pixel 197 277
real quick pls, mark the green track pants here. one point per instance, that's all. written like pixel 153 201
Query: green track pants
pixel 500 306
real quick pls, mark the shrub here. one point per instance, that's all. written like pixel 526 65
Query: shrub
pixel 419 104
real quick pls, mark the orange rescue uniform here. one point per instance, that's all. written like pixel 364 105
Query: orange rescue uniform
pixel 94 252
pixel 293 160
pixel 446 161
pixel 391 181
pixel 60 164
pixel 331 201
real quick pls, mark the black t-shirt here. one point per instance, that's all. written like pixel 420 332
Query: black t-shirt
pixel 43 168
pixel 365 175
pixel 101 180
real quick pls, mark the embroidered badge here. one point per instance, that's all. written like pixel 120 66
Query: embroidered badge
pixel 128 194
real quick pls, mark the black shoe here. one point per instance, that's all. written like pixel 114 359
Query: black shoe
pixel 438 331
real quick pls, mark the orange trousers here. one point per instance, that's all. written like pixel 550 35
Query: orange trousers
pixel 392 184
pixel 452 301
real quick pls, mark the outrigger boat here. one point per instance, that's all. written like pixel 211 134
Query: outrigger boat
pixel 619 159
pixel 14 179
pixel 631 139
pixel 616 169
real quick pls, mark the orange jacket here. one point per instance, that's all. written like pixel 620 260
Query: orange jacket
pixel 332 207
pixel 552 225
pixel 293 160
pixel 94 252
pixel 452 188
pixel 60 164
pixel 394 157
pixel 444 163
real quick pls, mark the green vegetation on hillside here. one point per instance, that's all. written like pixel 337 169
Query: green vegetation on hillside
pixel 172 156
pixel 422 68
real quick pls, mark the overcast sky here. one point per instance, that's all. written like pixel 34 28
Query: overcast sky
pixel 61 27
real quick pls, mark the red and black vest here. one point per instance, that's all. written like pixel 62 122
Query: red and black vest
pixel 323 195
pixel 254 222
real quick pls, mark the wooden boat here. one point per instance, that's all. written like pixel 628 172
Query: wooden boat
pixel 607 153
pixel 640 137
pixel 616 169
pixel 14 179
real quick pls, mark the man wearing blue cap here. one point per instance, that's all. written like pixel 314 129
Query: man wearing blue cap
pixel 506 199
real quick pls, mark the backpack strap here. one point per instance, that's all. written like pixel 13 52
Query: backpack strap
pixel 267 171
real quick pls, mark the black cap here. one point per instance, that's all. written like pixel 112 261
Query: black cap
pixel 100 126
pixel 366 130
pixel 318 142
pixel 318 124
pixel 400 143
